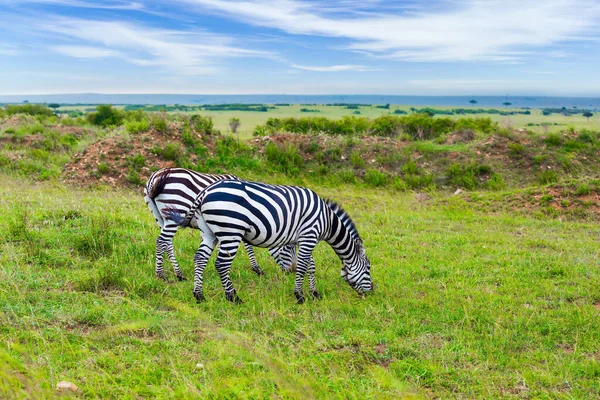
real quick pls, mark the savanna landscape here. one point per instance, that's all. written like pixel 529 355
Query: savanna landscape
pixel 481 226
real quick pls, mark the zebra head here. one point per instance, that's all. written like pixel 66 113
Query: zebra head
pixel 357 269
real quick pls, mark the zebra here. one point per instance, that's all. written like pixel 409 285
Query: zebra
pixel 177 188
pixel 232 211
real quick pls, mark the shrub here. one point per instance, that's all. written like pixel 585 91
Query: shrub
pixel 103 168
pixel 356 160
pixel 347 176
pixel 134 178
pixel 105 115
pixel 137 126
pixel 171 151
pixel 414 181
pixel 374 177
pixel 496 182
pixel 158 121
pixel 410 168
pixel 516 149
pixel 583 190
pixel 136 162
pixel 202 124
pixel 547 176
pixel 540 159
pixel 287 160
pixel 234 124
pixel 29 109
pixel 466 176
pixel 553 139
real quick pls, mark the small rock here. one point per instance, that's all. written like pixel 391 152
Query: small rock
pixel 343 158
pixel 200 366
pixel 65 386
pixel 421 197
pixel 458 191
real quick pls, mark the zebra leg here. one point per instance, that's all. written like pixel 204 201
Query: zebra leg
pixel 303 265
pixel 164 243
pixel 227 251
pixel 253 261
pixel 200 260
pixel 312 284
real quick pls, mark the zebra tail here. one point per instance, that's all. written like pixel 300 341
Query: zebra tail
pixel 155 188
pixel 174 215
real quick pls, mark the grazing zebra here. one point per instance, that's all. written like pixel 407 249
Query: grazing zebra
pixel 177 188
pixel 232 211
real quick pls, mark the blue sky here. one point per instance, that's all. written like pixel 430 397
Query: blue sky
pixel 436 47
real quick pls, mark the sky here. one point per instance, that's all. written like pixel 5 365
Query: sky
pixel 413 47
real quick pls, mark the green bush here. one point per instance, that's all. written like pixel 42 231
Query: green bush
pixel 414 181
pixel 285 159
pixel 356 160
pixel 583 190
pixel 375 177
pixel 105 115
pixel 202 124
pixel 553 139
pixel 466 176
pixel 29 109
pixel 516 149
pixel 547 176
pixel 136 162
pixel 171 152
pixel 103 168
pixel 496 182
pixel 158 121
pixel 134 127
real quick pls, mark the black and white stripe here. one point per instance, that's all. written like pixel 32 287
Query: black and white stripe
pixel 176 189
pixel 232 211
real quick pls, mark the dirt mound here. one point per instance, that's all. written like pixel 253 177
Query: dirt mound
pixel 465 136
pixel 16 120
pixel 122 160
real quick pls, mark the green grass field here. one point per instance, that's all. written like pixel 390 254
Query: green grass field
pixel 468 305
pixel 250 119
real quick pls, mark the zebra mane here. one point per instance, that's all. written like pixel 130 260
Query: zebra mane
pixel 158 185
pixel 344 217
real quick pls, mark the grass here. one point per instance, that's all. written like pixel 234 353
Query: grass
pixel 468 305
pixel 250 119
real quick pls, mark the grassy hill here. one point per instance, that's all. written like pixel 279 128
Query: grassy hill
pixel 486 292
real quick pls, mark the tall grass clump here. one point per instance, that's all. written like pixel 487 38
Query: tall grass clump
pixel 467 176
pixel 284 159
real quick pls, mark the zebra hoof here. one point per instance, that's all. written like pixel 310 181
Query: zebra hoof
pixel 181 278
pixel 233 297
pixel 161 277
pixel 199 297
pixel 259 272
pixel 316 295
pixel 300 298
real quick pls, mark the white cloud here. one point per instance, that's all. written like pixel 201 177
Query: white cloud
pixel 85 51
pixel 114 5
pixel 8 50
pixel 333 68
pixel 185 52
pixel 454 30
